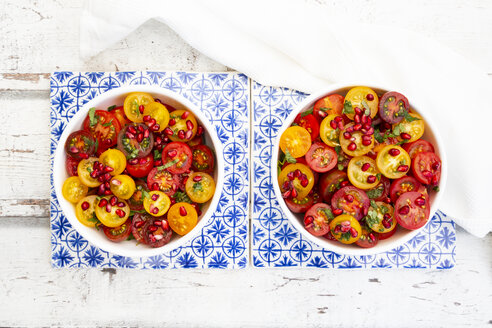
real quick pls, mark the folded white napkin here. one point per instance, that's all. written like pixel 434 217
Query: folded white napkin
pixel 290 44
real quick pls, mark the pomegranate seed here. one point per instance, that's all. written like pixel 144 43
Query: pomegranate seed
pixel 363 120
pixel 405 136
pixel 155 210
pixel 173 201
pixel 420 201
pixel 155 197
pixel 108 169
pixel 155 128
pixel 304 182
pixel 108 208
pixel 357 118
pixel 366 126
pixel 337 211
pixel 371 237
pixel 165 225
pixel 100 178
pixel 333 124
pixel 345 228
pixel 146 119
pixel 158 162
pixel 85 206
pixel 153 228
pixel 182 211
pixel 308 220
pixel 146 133
pixel 365 167
pixel 345 223
pixel 188 134
pixel 297 173
pixel 140 128
pixel 185 115
pixel 172 122
pixel 337 229
pixel 386 224
pixel 294 193
pixel 352 146
pixel 142 160
pixel 347 135
pixel 199 131
pixel 94 174
pixel 340 125
pixel 140 137
pixel 129 135
pixel 168 131
pixel 371 179
pixel 394 152
pixel 116 182
pixel 322 114
pixel 350 129
pixel 402 168
pixel 197 178
pixel 286 185
pixel 141 109
pixel 370 131
pixel 349 198
pixel 158 223
pixel 172 153
pixel 103 202
pixel 291 176
pixel 353 232
pixel 107 142
pixel 74 149
pixel 286 194
pixel 344 183
pixel 181 134
pixel 158 140
pixel 113 200
pixel 108 192
pixel 404 210
pixel 370 97
pixel 152 238
pixel 366 142
pixel 120 204
pixel 189 125
pixel 120 213
pixel 435 180
pixel 83 156
pixel 139 224
pixel 427 174
pixel 101 189
pixel 133 161
pixel 435 166
pixel 358 111
pixel 132 129
pixel 155 186
pixel 357 127
pixel 107 177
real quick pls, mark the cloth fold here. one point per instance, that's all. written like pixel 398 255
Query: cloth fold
pixel 306 47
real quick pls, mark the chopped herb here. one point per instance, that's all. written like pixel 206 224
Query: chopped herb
pixel 130 237
pixel 92 117
pixel 410 118
pixel 376 192
pixel 324 109
pixel 340 167
pixel 377 135
pixel 338 149
pixel 345 236
pixel 132 212
pixel 295 124
pixel 378 176
pixel 374 205
pixel 180 196
pixel 367 110
pixel 110 108
pixel 197 186
pixel 289 158
pixel 372 218
pixel 96 145
pixel 328 213
pixel 306 113
pixel 436 189
pixel 347 108
pixel 397 130
pixel 145 194
pixel 98 198
pixel 157 154
pixel 167 165
pixel 107 124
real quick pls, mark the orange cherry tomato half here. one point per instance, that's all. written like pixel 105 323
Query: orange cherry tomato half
pixel 200 187
pixel 74 190
pixel 295 141
pixel 182 218
pixel 296 181
pixel 346 229
pixel 134 105
pixel 332 104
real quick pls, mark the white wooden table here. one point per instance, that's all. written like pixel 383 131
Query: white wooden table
pixel 37 37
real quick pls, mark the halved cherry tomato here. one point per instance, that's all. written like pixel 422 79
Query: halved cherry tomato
pixel 159 113
pixel 200 187
pixel 296 141
pixel 119 114
pixel 302 205
pixel 363 98
pixel 332 104
pixel 163 180
pixel 352 201
pixel 135 140
pixel 183 125
pixel 298 177
pixel 426 167
pixel 321 158
pixel 368 238
pixel 393 162
pixel 114 159
pixel 85 211
pixel 138 223
pixel 412 210
pixel 157 203
pixel 393 106
pixel 71 166
pixel 329 130
pixel 415 128
pixel 317 219
pixel 112 215
pixel 346 229
pixel 308 122
pixel 156 232
pixel 195 142
pixel 140 167
pixel 403 185
pixel 103 126
pixel 136 201
pixel 203 158
pixel 177 157
pixel 330 182
pixel 134 105
pixel 381 191
pixel 419 146
pixel 122 186
pixel 383 236
pixel 380 217
pixel 182 218
pixel 352 143
pixel 84 171
pixel 80 145
pixel 120 233
pixel 363 173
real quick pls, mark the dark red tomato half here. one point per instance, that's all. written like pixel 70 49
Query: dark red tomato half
pixel 163 180
pixel 381 191
pixel 136 201
pixel 316 219
pixel 138 223
pixel 386 235
pixel 203 158
pixel 393 106
pixel 426 168
pixel 80 145
pixel 412 210
pixel 120 233
pixel 403 185
pixel 321 157
pixel 310 123
pixel 177 157
pixel 140 167
pixel 156 232
pixel 419 146
pixel 332 104
pixel 103 126
pixel 330 182
pixel 352 201
pixel 135 140
pixel 301 206
pixel 71 166
pixel 368 238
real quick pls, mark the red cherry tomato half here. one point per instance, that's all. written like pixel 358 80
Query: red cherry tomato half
pixel 381 191
pixel 71 166
pixel 140 167
pixel 352 201
pixel 163 180
pixel 316 219
pixel 80 145
pixel 119 233
pixel 138 223
pixel 403 185
pixel 393 106
pixel 203 158
pixel 321 158
pixel 368 238
pixel 331 182
pixel 419 146
pixel 177 156
pixel 310 123
pixel 156 232
pixel 412 210
pixel 332 104
pixel 103 126
pixel 301 206
pixel 426 168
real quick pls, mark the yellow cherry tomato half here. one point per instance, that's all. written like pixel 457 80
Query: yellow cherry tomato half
pixel 380 217
pixel 122 186
pixel 134 105
pixel 200 187
pixel 298 177
pixel 357 144
pixel 159 113
pixel 393 162
pixel 115 159
pixel 181 121
pixel 84 170
pixel 157 203
pixel 328 134
pixel 112 215
pixel 182 218
pixel 415 128
pixel 74 190
pixel 346 229
pixel 363 173
pixel 296 141
pixel 85 211
pixel 364 98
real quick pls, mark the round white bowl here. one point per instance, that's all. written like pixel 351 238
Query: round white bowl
pixel 402 235
pixel 116 97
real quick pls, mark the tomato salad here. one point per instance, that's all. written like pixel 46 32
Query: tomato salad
pixel 357 167
pixel 139 171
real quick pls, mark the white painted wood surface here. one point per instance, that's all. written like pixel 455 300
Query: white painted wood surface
pixel 37 37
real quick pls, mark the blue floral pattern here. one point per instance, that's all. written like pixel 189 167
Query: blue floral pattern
pixel 276 243
pixel 224 98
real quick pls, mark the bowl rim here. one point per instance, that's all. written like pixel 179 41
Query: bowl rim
pixel 339 247
pixel 58 167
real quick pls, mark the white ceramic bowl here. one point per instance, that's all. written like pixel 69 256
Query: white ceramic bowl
pixel 116 97
pixel 402 235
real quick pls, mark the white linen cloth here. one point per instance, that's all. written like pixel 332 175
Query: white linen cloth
pixel 288 43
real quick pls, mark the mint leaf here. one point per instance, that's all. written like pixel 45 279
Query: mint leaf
pixel 340 167
pixel 289 158
pixel 167 165
pixel 145 193
pixel 324 109
pixel 92 117
pixel 306 113
pixel 367 110
pixel 329 213
pixel 197 186
pixel 436 189
pixel 376 192
pixel 180 197
pixel 347 108
pixel 110 108
pixel 410 118
pixel 157 154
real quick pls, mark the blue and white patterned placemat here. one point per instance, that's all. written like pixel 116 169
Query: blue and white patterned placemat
pixel 224 98
pixel 276 243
